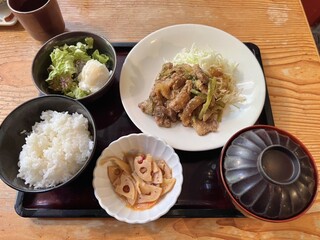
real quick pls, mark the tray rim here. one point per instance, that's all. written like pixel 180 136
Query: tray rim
pixel 173 212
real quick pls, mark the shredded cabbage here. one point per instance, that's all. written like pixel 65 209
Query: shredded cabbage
pixel 205 58
pixel 67 62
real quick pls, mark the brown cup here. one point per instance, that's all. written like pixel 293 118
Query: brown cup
pixel 42 19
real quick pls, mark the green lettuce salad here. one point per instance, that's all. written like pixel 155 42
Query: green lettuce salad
pixel 67 63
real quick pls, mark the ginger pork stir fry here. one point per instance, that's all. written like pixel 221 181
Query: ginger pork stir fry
pixel 140 179
pixel 188 93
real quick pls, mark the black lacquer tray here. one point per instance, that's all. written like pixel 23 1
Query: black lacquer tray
pixel 202 193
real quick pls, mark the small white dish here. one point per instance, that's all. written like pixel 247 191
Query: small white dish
pixel 144 63
pixel 6 16
pixel 105 193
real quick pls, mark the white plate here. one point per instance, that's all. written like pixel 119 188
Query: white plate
pixel 105 193
pixel 145 60
pixel 5 12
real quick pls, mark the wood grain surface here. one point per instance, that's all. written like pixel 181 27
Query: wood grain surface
pixel 292 70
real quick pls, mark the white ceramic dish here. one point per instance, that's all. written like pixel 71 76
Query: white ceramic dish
pixel 111 202
pixel 6 17
pixel 145 60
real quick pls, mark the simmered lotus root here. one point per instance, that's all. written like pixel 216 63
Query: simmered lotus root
pixel 140 179
pixel 114 172
pixel 157 175
pixel 167 185
pixel 166 170
pixel 143 167
pixel 126 187
pixel 150 193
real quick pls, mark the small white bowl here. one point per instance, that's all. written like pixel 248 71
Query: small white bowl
pixel 105 193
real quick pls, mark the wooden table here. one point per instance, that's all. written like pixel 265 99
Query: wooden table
pixel 292 69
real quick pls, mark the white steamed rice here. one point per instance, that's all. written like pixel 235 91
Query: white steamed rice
pixel 55 150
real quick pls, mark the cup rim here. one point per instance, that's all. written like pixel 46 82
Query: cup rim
pixel 26 12
pixel 295 173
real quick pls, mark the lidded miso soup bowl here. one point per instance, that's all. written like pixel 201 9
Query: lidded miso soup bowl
pixel 268 173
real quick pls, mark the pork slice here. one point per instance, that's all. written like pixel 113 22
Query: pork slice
pixel 203 128
pixel 166 70
pixel 202 79
pixel 182 73
pixel 182 98
pixel 164 117
pixel 192 105
pixel 146 106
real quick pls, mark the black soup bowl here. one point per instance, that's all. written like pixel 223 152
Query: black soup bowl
pixel 18 124
pixel 269 174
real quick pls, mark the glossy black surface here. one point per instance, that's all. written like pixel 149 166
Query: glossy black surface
pixel 269 173
pixel 202 193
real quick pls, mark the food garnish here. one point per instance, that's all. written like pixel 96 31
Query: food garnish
pixel 194 89
pixel 68 61
pixel 139 179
